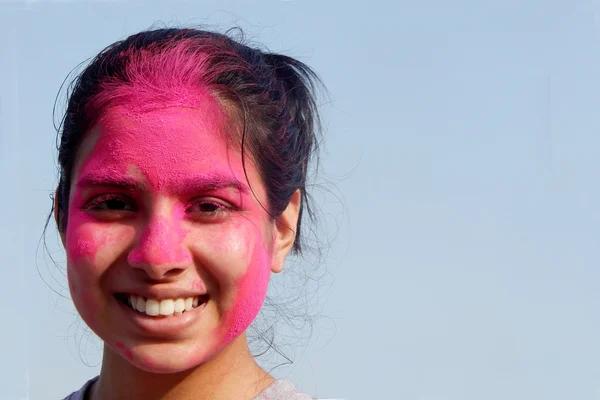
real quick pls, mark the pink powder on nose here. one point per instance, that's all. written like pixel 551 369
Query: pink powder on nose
pixel 161 244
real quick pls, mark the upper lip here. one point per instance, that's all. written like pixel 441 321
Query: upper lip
pixel 161 293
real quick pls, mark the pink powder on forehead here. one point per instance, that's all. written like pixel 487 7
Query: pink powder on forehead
pixel 165 146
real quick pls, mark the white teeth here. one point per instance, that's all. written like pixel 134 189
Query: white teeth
pixel 179 305
pixel 165 307
pixel 152 307
pixel 141 305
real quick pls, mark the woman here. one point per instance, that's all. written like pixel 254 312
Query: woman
pixel 183 160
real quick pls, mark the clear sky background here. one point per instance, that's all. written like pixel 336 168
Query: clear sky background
pixel 460 193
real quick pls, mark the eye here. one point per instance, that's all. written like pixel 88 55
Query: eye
pixel 111 203
pixel 208 209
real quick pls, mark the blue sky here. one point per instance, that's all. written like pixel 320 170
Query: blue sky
pixel 459 193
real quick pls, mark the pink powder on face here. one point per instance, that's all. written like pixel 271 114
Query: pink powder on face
pixel 124 350
pixel 139 147
pixel 82 244
pixel 199 286
pixel 251 290
pixel 161 244
pixel 167 153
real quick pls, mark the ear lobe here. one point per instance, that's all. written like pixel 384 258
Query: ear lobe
pixel 285 232
pixel 55 207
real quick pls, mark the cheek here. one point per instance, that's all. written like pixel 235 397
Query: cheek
pixel 247 290
pixel 91 249
pixel 251 292
pixel 82 242
pixel 90 244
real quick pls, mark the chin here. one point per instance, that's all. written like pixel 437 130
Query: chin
pixel 166 358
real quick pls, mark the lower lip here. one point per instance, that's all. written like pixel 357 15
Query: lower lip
pixel 165 326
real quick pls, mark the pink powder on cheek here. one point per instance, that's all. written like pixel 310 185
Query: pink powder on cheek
pixel 85 238
pixel 81 243
pixel 251 293
pixel 199 286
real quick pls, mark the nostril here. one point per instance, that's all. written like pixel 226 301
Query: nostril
pixel 164 261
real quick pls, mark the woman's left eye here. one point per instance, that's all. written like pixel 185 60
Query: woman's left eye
pixel 208 209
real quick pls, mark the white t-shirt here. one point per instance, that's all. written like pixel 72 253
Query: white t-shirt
pixel 281 389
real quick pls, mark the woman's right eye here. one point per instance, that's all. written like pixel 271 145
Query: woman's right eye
pixel 111 203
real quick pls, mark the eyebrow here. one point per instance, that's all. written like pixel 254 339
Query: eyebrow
pixel 205 182
pixel 103 180
pixel 209 182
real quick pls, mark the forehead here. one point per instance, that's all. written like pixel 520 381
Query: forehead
pixel 160 145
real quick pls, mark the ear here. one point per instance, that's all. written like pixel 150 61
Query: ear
pixel 62 235
pixel 285 232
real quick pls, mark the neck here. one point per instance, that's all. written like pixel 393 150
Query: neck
pixel 232 374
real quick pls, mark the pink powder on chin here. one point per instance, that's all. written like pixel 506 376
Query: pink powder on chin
pixel 124 350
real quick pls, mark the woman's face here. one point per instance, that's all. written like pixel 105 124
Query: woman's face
pixel 163 218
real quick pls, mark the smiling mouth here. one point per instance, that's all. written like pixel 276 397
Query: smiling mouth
pixel 160 308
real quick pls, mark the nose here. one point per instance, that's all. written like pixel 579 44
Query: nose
pixel 160 250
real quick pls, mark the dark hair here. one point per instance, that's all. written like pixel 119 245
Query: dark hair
pixel 270 97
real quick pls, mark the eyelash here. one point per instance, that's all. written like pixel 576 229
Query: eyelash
pixel 96 203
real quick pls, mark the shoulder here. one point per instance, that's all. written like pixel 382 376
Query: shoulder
pixel 282 389
pixel 80 394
